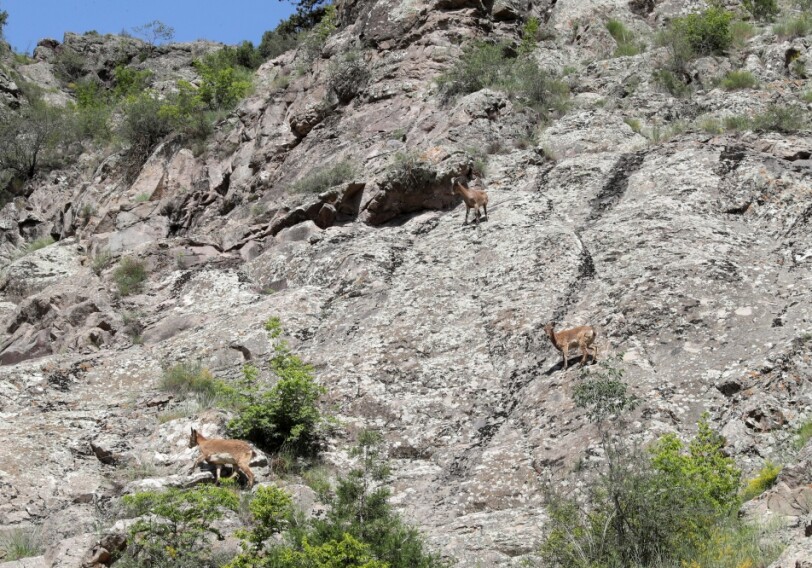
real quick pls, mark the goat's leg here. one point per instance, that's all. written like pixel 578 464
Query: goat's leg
pixel 584 352
pixel 476 212
pixel 467 209
pixel 565 352
pixel 485 207
pixel 197 463
pixel 594 352
pixel 243 467
pixel 217 473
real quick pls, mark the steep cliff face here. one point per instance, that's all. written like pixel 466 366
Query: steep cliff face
pixel 688 251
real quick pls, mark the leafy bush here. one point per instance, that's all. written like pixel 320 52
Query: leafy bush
pixel 360 529
pixel 347 76
pixel 143 125
pixel 671 504
pixel 16 544
pixel 530 36
pixel 633 123
pixel 765 479
pixel 129 82
pixel 487 65
pixel 129 275
pixel 100 261
pixel 69 65
pixel 707 32
pixel 223 82
pixel 286 417
pixel 315 39
pixel 175 526
pixel 740 79
pixel 671 83
pixel 761 9
pixel 32 139
pixel 322 180
pixel 791 27
pixel 275 42
pixel 737 122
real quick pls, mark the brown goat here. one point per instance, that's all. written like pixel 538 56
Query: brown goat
pixel 564 340
pixel 473 198
pixel 219 452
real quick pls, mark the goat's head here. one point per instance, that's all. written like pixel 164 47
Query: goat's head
pixel 193 438
pixel 549 327
pixel 456 182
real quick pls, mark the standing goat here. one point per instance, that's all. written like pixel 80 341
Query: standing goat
pixel 582 336
pixel 473 198
pixel 219 452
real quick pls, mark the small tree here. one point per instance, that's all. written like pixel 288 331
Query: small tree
pixel 27 138
pixel 155 32
pixel 3 22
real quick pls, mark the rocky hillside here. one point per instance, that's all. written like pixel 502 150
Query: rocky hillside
pixel 683 239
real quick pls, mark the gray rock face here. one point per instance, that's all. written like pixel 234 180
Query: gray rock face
pixel 690 253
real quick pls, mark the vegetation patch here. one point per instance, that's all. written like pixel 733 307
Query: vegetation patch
pixel 323 179
pixel 793 26
pixel 764 10
pixel 765 479
pixel 740 79
pixel 486 65
pixel 16 544
pixel 129 276
pixel 626 43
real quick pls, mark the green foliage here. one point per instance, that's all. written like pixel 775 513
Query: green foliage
pixel 3 22
pixel 69 65
pixel 176 525
pixel 671 83
pixel 604 394
pixel 707 32
pixel 323 179
pixel 410 171
pixel 485 65
pixel 765 479
pixel 223 82
pixel 737 122
pixel 530 35
pixel 345 553
pixel 802 435
pixel 626 44
pixel 40 243
pixel 315 39
pixel 100 261
pixel 183 379
pixel 16 544
pixel 633 123
pixel 741 31
pixel 143 125
pixel 130 82
pixel 739 79
pixel 271 509
pixel 791 27
pixel 780 118
pixel 710 125
pixel 129 275
pixel 32 139
pixel 348 75
pixel 286 417
pixel 276 42
pixel 761 9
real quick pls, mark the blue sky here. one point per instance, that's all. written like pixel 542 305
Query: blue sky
pixel 229 21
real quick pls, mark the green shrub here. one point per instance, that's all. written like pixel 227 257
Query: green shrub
pixel 16 544
pixel 286 417
pixel 223 83
pixel 741 31
pixel 129 275
pixel 176 526
pixel 40 243
pixel 32 139
pixel 737 122
pixel 481 65
pixel 187 378
pixel 740 79
pixel 633 123
pixel 530 36
pixel 69 65
pixel 133 325
pixel 711 125
pixel 707 32
pixel 347 75
pixel 802 435
pixel 761 9
pixel 765 479
pixel 410 171
pixel 671 83
pixel 626 45
pixel 130 82
pixel 791 27
pixel 315 39
pixel 322 180
pixel 780 118
pixel 100 261
pixel 275 42
pixel 271 511
pixel 143 125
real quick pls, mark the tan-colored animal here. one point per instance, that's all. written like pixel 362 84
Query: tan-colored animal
pixel 578 337
pixel 220 452
pixel 475 199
